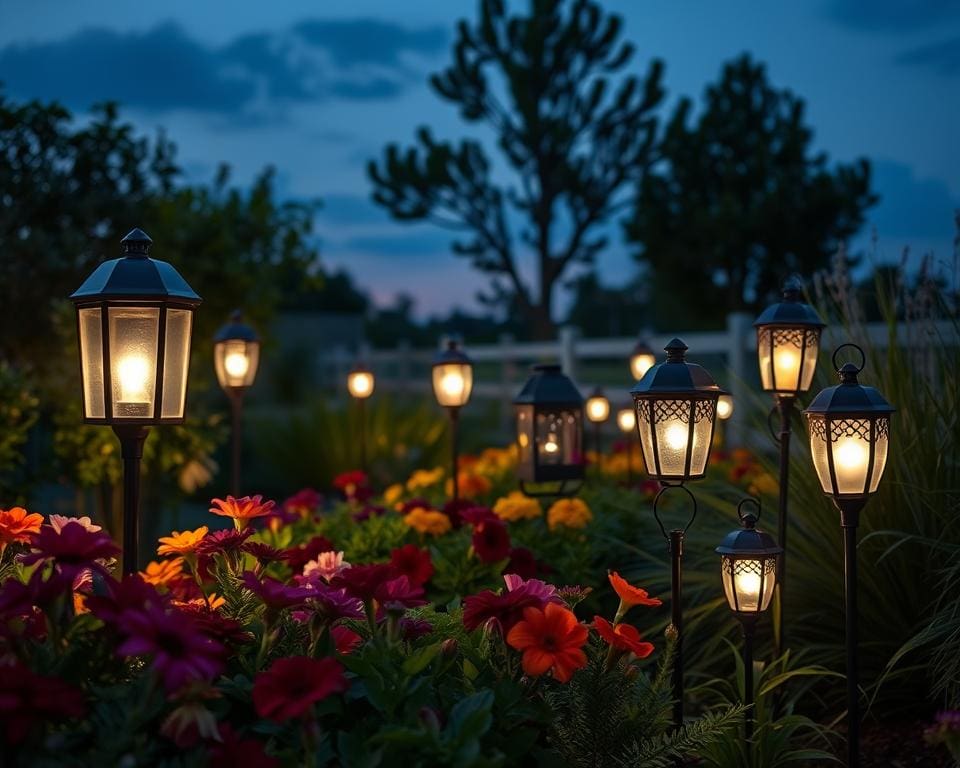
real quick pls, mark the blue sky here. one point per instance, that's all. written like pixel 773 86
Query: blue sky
pixel 317 89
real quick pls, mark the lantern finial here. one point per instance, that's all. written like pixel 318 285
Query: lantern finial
pixel 136 244
pixel 676 351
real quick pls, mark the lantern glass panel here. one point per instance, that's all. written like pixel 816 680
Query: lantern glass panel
pixel 525 434
pixel 452 383
pixel 236 362
pixel 176 361
pixel 788 358
pixel 640 364
pixel 134 332
pixel 360 384
pixel 748 582
pixel 91 362
pixel 558 438
pixel 850 446
pixel 671 431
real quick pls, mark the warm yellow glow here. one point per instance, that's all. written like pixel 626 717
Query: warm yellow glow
pixel 748 590
pixel 786 367
pixel 725 407
pixel 452 384
pixel 598 409
pixel 360 384
pixel 551 446
pixel 676 436
pixel 237 364
pixel 133 372
pixel 626 419
pixel 523 439
pixel 640 364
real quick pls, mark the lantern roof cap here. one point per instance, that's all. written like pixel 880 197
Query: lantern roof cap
pixel 236 330
pixel 548 385
pixel 748 541
pixel 849 397
pixel 675 376
pixel 135 276
pixel 597 392
pixel 792 311
pixel 361 367
pixel 452 354
pixel 642 347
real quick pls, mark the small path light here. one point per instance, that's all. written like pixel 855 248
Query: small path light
pixel 748 568
pixel 676 407
pixel 627 422
pixel 236 356
pixel 788 343
pixel 642 359
pixel 549 413
pixel 452 384
pixel 360 384
pixel 598 411
pixel 724 407
pixel 134 321
pixel 849 436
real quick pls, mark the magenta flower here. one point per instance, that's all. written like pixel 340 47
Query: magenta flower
pixel 28 699
pixel 131 594
pixel 540 589
pixel 72 548
pixel 400 592
pixel 181 651
pixel 363 581
pixel 275 594
pixel 330 604
pixel 226 540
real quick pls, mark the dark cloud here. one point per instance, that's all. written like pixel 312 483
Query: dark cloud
pixel 164 68
pixel 892 15
pixel 423 244
pixel 943 57
pixel 351 209
pixel 910 206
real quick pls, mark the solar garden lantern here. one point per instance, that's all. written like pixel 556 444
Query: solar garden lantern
pixel 788 343
pixel 642 359
pixel 627 422
pixel 452 384
pixel 360 384
pixel 598 411
pixel 676 412
pixel 134 322
pixel 849 436
pixel 748 568
pixel 236 355
pixel 549 414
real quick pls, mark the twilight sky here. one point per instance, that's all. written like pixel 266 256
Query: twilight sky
pixel 317 89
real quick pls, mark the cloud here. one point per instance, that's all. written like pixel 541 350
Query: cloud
pixel 911 207
pixel 253 75
pixel 425 245
pixel 892 15
pixel 943 58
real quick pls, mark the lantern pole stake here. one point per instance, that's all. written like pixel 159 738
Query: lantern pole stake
pixel 131 451
pixel 598 440
pixel 362 413
pixel 455 449
pixel 749 624
pixel 849 520
pixel 236 438
pixel 785 409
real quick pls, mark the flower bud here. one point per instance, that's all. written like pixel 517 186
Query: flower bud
pixel 449 649
pixel 429 718
pixel 671 633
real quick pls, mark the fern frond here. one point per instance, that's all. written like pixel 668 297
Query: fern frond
pixel 661 751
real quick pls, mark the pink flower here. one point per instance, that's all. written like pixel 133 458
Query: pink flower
pixel 58 521
pixel 297 557
pixel 507 608
pixel 326 566
pixel 72 548
pixel 540 589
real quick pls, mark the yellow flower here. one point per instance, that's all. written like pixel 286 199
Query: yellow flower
pixel 515 506
pixel 428 521
pixel 569 513
pixel 393 494
pixel 495 461
pixel 162 573
pixel 424 478
pixel 764 484
pixel 181 543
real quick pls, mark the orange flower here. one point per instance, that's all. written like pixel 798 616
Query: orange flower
pixel 629 594
pixel 242 510
pixel 163 573
pixel 181 543
pixel 551 640
pixel 17 525
pixel 470 485
pixel 622 637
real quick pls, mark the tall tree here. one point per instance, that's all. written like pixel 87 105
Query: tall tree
pixel 573 143
pixel 740 201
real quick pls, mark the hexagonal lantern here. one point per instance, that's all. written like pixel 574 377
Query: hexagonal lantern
pixel 676 405
pixel 134 320
pixel 642 359
pixel 236 354
pixel 549 413
pixel 748 567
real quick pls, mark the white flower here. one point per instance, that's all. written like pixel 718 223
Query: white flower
pixel 58 521
pixel 326 566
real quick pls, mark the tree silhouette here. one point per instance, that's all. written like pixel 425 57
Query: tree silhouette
pixel 575 146
pixel 740 201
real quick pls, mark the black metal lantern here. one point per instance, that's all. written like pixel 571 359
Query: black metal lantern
pixel 549 413
pixel 236 354
pixel 642 359
pixel 452 385
pixel 849 436
pixel 788 340
pixel 134 322
pixel 676 405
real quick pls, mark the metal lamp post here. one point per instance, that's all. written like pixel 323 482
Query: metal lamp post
pixel 642 359
pixel 598 411
pixel 676 405
pixel 549 414
pixel 788 342
pixel 748 568
pixel 849 436
pixel 627 422
pixel 236 355
pixel 360 384
pixel 134 322
pixel 452 384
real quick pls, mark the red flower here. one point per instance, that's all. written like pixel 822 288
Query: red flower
pixel 263 552
pixel 297 557
pixel 407 507
pixel 474 514
pixel 27 699
pixel 622 637
pixel 226 540
pixel 412 562
pixel 630 595
pixel 491 541
pixel 302 503
pixel 275 594
pixel 363 581
pixel 455 508
pixel 506 608
pixel 294 684
pixel 233 751
pixel 399 592
pixel 345 639
pixel 522 563
pixel 354 485
pixel 551 640
pixel 215 625
pixel 181 651
pixel 411 629
pixel 72 548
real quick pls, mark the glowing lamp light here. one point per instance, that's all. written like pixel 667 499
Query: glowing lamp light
pixel 642 359
pixel 788 341
pixel 236 354
pixel 626 420
pixel 676 412
pixel 360 382
pixel 452 376
pixel 598 407
pixel 748 567
pixel 725 407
